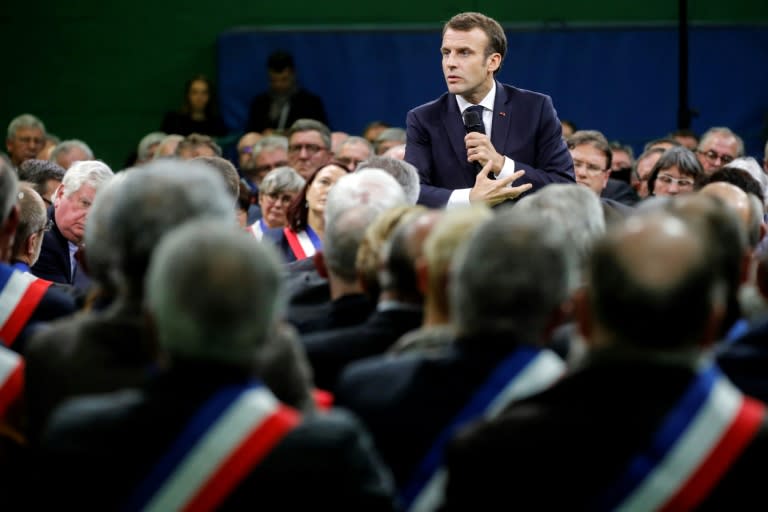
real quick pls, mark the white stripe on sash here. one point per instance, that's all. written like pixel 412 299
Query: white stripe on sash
pixel 702 435
pixel 13 293
pixel 235 424
pixel 542 371
pixel 306 243
pixel 256 230
pixel 9 361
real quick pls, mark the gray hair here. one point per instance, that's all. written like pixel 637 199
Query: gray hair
pixel 64 147
pixel 311 125
pixel 682 158
pixel 146 142
pixel 9 186
pixel 510 277
pixel 405 173
pixel 231 321
pixel 356 140
pixel 98 232
pixel 167 140
pixel 226 170
pixel 86 172
pixel 343 237
pixel 723 130
pixel 577 209
pixel 154 199
pixel 24 121
pixel 372 187
pixel 269 143
pixel 397 134
pixel 32 215
pixel 282 179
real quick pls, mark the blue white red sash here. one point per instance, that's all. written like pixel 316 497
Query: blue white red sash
pixel 230 434
pixel 20 295
pixel 258 228
pixel 11 379
pixel 697 442
pixel 304 243
pixel 524 372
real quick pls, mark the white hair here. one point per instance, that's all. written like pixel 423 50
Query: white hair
pixel 373 187
pixel 86 172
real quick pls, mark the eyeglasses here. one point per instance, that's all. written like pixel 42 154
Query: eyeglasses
pixel 712 157
pixel 669 180
pixel 283 198
pixel 31 140
pixel 591 168
pixel 311 149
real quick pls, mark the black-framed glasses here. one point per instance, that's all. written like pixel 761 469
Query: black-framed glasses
pixel 712 156
pixel 311 149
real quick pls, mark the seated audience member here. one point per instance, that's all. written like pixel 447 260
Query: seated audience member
pixel 33 223
pixel 739 178
pixel 197 113
pixel 277 192
pixel 751 167
pixel 432 273
pixel 195 145
pixel 373 130
pixel 167 147
pixel 68 152
pixel 677 171
pixel 245 147
pixel 404 173
pixel 388 139
pixel 303 235
pixel 26 300
pixel 145 151
pixel 687 138
pixel 652 377
pixel 227 171
pixel 337 138
pixel 309 146
pixel 51 141
pixel 642 170
pixel 414 403
pixel 664 143
pixel 353 151
pixel 69 213
pixel 396 152
pixel 44 176
pixel 26 137
pixel 267 154
pixel 208 409
pixel 718 146
pixel 286 101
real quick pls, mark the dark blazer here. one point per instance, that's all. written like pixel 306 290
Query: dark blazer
pixel 304 105
pixel 330 351
pixel 525 128
pixel 180 123
pixel 99 448
pixel 579 436
pixel 53 263
pixel 745 361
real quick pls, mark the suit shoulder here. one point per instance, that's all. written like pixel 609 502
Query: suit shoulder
pixel 525 94
pixel 435 105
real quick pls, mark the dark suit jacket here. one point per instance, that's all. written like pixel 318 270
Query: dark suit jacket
pixel 745 361
pixel 579 435
pixel 525 128
pixel 330 351
pixel 53 263
pixel 99 448
pixel 304 104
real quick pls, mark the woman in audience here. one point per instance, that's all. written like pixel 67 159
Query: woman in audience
pixel 677 171
pixel 303 235
pixel 197 114
pixel 277 191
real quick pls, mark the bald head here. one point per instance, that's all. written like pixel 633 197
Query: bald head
pixel 733 197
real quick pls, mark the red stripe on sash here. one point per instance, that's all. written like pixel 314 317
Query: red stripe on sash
pixel 23 310
pixel 293 242
pixel 323 399
pixel 733 442
pixel 231 472
pixel 10 391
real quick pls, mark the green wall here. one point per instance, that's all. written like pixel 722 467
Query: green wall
pixel 106 72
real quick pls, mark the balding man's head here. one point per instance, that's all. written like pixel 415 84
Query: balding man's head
pixel 732 196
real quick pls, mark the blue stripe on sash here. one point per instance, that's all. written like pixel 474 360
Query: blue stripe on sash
pixel 195 430
pixel 314 238
pixel 672 428
pixel 5 275
pixel 476 407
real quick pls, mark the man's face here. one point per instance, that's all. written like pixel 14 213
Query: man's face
pixel 281 81
pixel 644 168
pixel 307 152
pixel 620 160
pixel 468 72
pixel 71 212
pixel 245 147
pixel 267 160
pixel 716 151
pixel 25 145
pixel 590 165
pixel 352 154
pixel 75 154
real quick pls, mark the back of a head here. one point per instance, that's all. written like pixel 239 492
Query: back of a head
pixel 751 167
pixel 226 170
pixel 147 144
pixel 9 186
pixel 510 277
pixel 343 238
pixel 653 283
pixel 725 132
pixel 229 323
pixel 404 173
pixel 87 172
pixel 39 171
pixel 575 208
pixel 32 217
pixel 156 198
pixel 367 187
pixel 65 146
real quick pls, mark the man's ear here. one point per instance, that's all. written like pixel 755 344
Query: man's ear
pixel 494 62
pixel 31 244
pixel 319 261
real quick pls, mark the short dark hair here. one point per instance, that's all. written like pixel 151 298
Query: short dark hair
pixel 739 178
pixel 280 60
pixel 595 139
pixel 497 40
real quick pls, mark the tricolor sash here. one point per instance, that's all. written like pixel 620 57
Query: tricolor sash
pixel 228 436
pixel 698 440
pixel 304 243
pixel 11 379
pixel 20 295
pixel 524 372
pixel 258 228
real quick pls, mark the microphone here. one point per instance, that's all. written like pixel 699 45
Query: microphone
pixel 473 122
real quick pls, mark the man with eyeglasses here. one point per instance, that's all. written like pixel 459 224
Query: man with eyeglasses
pixel 309 146
pixel 267 154
pixel 26 137
pixel 353 151
pixel 719 146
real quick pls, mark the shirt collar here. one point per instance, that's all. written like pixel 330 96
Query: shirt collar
pixel 486 103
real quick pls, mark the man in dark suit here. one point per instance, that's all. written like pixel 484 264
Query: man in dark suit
pixel 285 102
pixel 518 141
pixel 650 415
pixel 208 434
